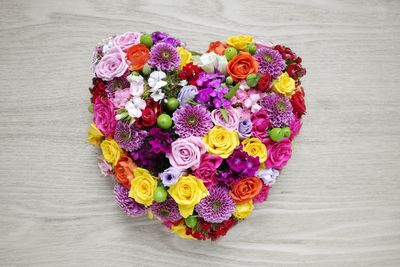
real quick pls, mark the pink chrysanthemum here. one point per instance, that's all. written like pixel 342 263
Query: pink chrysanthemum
pixel 164 57
pixel 216 207
pixel 192 121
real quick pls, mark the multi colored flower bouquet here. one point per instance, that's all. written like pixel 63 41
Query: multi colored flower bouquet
pixel 194 140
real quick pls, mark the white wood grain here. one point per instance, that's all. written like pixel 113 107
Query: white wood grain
pixel 336 204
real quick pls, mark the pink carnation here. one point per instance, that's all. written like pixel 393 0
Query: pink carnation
pixel 104 116
pixel 186 153
pixel 278 153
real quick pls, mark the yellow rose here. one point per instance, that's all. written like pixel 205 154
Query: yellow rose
pixel 185 55
pixel 180 230
pixel 187 192
pixel 220 141
pixel 284 85
pixel 142 187
pixel 243 210
pixel 239 42
pixel 94 135
pixel 111 151
pixel 255 148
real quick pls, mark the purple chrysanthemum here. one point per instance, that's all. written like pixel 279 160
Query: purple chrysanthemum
pixel 128 136
pixel 270 61
pixel 167 210
pixel 127 204
pixel 217 207
pixel 278 108
pixel 192 121
pixel 164 57
pixel 118 83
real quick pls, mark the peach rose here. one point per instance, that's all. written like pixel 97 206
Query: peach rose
pixel 217 47
pixel 124 171
pixel 246 189
pixel 138 55
pixel 242 65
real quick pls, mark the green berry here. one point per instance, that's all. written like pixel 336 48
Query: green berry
pixel 172 103
pixel 146 40
pixel 164 121
pixel 191 221
pixel 229 80
pixel 276 134
pixel 160 194
pixel 90 108
pixel 286 131
pixel 251 48
pixel 136 73
pixel 146 69
pixel 251 80
pixel 230 53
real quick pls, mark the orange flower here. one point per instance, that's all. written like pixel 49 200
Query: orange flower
pixel 138 55
pixel 124 171
pixel 242 65
pixel 217 47
pixel 246 189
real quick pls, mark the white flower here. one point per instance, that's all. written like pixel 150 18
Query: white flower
pixel 135 107
pixel 210 62
pixel 268 176
pixel 157 94
pixel 156 79
pixel 137 84
pixel 251 103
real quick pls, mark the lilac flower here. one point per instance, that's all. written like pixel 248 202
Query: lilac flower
pixel 217 207
pixel 170 176
pixel 165 38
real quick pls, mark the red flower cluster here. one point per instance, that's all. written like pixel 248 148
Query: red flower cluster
pixel 98 89
pixel 294 69
pixel 212 231
pixel 190 73
pixel 298 103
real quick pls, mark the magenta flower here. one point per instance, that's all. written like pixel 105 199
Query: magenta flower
pixel 278 153
pixel 104 116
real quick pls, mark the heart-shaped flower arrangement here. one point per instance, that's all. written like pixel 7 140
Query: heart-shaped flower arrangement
pixel 194 140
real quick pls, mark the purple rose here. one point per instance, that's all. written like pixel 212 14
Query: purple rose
pixel 279 153
pixel 126 40
pixel 112 65
pixel 104 116
pixel 186 152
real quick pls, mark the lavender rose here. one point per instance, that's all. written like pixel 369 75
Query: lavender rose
pixel 279 153
pixel 170 176
pixel 104 116
pixel 244 128
pixel 111 65
pixel 186 152
pixel 187 93
pixel 233 118
pixel 126 40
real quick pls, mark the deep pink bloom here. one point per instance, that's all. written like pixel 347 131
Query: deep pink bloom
pixel 207 169
pixel 104 116
pixel 260 123
pixel 279 153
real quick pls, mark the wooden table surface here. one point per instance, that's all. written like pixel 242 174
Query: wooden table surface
pixel 336 204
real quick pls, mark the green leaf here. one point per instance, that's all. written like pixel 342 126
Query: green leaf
pixel 194 53
pixel 232 91
pixel 224 113
pixel 192 102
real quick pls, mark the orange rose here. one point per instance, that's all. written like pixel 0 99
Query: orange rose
pixel 138 55
pixel 242 65
pixel 124 171
pixel 246 189
pixel 217 47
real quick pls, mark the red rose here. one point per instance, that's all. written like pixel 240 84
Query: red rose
pixel 190 73
pixel 264 83
pixel 297 100
pixel 149 114
pixel 98 89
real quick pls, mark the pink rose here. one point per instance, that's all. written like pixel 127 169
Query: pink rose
pixel 278 153
pixel 260 123
pixel 233 118
pixel 111 65
pixel 295 127
pixel 186 153
pixel 104 116
pixel 126 40
pixel 207 169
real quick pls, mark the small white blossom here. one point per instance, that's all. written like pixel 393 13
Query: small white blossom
pixel 210 62
pixel 156 79
pixel 137 84
pixel 135 107
pixel 268 175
